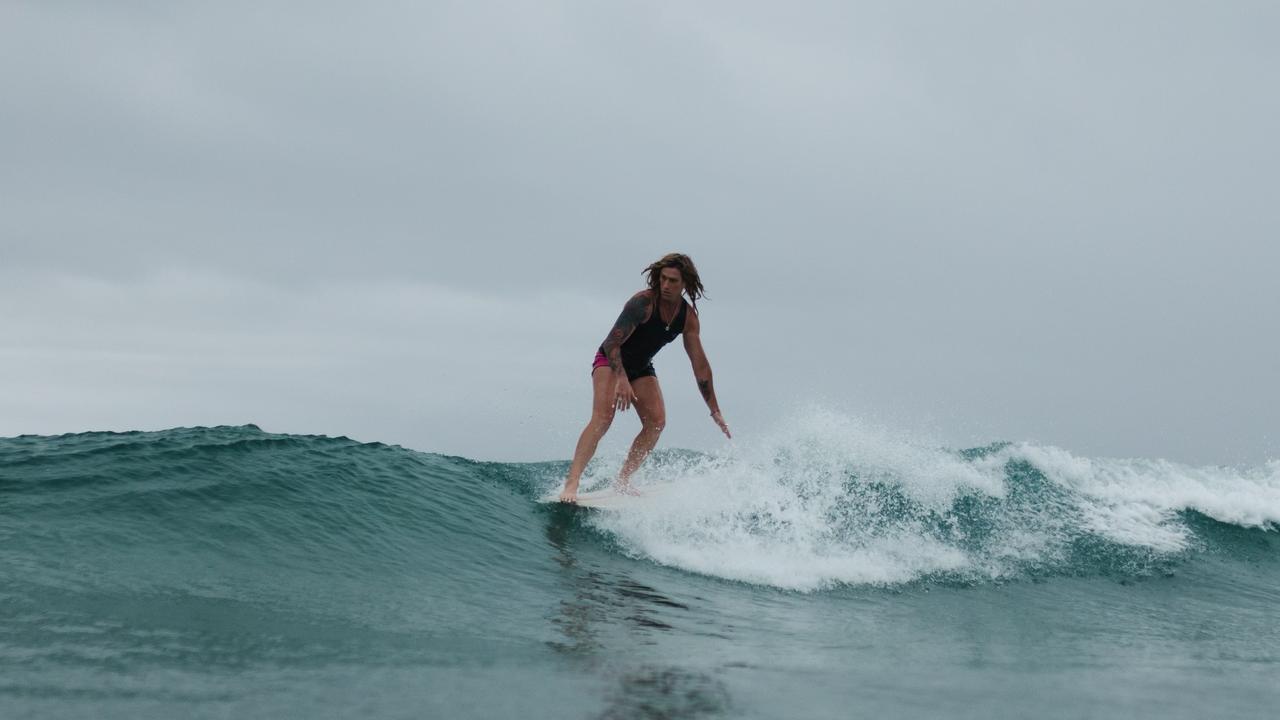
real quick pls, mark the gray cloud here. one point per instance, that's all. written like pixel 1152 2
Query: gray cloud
pixel 1007 220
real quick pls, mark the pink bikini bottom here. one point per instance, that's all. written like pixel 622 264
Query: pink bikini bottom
pixel 632 375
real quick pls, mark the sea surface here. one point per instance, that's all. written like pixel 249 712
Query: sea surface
pixel 830 570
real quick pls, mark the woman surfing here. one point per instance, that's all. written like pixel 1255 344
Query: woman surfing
pixel 622 374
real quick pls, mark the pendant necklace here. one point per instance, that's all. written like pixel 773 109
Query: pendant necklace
pixel 674 313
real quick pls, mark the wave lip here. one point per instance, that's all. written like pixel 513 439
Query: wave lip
pixel 1247 497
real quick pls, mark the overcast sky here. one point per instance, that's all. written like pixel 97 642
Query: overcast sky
pixel 413 222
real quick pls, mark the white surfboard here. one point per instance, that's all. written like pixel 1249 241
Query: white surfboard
pixel 611 499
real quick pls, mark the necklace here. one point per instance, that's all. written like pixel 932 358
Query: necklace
pixel 674 313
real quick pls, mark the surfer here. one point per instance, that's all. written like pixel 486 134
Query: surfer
pixel 622 374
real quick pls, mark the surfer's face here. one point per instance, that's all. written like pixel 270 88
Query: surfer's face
pixel 670 283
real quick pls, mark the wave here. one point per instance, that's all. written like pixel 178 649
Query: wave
pixel 832 500
pixel 828 500
pixel 230 511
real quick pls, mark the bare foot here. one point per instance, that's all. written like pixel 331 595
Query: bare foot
pixel 626 488
pixel 568 497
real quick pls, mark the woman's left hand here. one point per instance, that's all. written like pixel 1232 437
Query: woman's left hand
pixel 720 421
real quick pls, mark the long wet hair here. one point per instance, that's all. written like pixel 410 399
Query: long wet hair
pixel 692 283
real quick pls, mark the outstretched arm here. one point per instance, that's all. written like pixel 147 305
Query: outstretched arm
pixel 702 369
pixel 633 314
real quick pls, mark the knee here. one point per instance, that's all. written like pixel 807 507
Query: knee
pixel 601 420
pixel 655 424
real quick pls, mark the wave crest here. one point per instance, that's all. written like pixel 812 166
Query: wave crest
pixel 831 499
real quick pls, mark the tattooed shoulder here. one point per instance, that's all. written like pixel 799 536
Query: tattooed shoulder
pixel 633 314
pixel 637 307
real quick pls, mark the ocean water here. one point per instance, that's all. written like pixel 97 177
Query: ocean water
pixel 829 570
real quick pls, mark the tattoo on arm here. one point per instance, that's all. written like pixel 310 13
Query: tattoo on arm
pixel 705 387
pixel 632 315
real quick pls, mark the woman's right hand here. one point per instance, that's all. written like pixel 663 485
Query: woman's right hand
pixel 623 395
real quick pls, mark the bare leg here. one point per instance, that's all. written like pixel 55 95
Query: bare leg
pixel 601 417
pixel 653 418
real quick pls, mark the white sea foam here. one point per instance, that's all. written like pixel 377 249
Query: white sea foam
pixel 1135 500
pixel 775 511
pixel 832 499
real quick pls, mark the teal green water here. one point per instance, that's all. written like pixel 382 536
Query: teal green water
pixel 827 571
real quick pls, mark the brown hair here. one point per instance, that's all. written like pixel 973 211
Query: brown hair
pixel 692 284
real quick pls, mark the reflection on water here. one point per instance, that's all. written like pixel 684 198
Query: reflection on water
pixel 599 600
pixel 603 609
pixel 667 692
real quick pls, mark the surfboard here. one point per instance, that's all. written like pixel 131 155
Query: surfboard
pixel 610 499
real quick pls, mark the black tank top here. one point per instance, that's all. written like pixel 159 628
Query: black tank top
pixel 650 337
